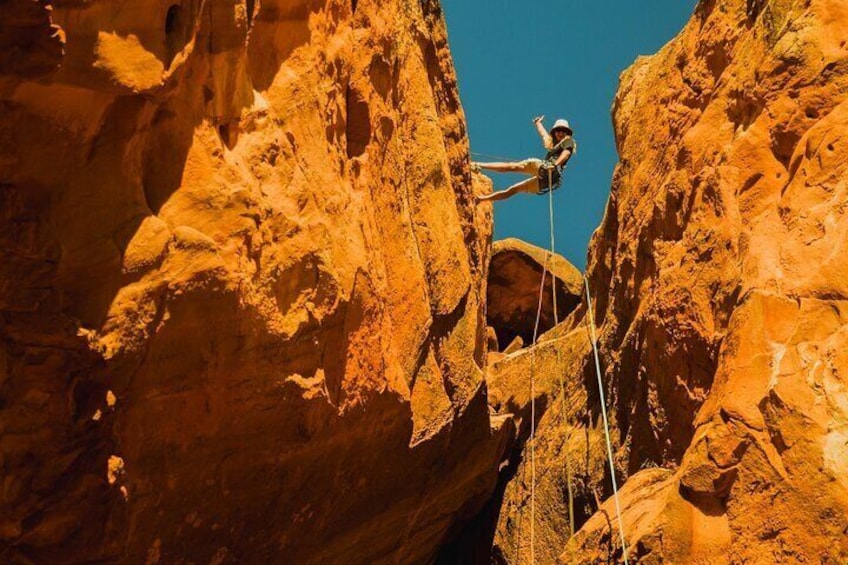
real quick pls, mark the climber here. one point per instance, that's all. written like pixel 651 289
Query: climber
pixel 545 174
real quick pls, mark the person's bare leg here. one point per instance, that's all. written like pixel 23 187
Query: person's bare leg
pixel 530 185
pixel 502 167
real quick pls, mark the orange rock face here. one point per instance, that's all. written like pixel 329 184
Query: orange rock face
pixel 30 45
pixel 243 297
pixel 720 274
pixel 243 285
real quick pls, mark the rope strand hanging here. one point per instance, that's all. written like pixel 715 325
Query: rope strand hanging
pixel 565 465
pixel 591 315
pixel 532 439
pixel 533 416
pixel 501 157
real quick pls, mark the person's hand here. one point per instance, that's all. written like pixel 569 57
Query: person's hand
pixel 538 119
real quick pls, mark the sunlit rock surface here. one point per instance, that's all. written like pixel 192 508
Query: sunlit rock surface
pixel 243 297
pixel 722 304
pixel 243 284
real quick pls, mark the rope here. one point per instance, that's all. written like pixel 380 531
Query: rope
pixel 499 157
pixel 533 378
pixel 591 317
pixel 533 417
pixel 549 257
pixel 590 312
pixel 559 363
pixel 522 472
pixel 551 222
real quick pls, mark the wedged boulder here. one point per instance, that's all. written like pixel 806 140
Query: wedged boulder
pixel 512 296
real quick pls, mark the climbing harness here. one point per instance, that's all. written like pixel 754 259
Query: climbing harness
pixel 550 177
pixel 532 439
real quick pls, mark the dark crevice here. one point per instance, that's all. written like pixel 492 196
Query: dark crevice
pixel 752 10
pixel 176 32
pixel 744 109
pixel 229 133
pixel 250 6
pixel 783 143
pixel 475 543
pixel 358 126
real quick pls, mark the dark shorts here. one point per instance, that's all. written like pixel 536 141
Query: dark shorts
pixel 549 179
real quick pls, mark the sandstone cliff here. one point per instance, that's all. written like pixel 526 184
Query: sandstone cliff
pixel 720 274
pixel 243 284
pixel 243 296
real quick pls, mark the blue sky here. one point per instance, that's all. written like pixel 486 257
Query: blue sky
pixel 560 58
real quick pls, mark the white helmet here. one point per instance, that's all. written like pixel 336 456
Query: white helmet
pixel 562 124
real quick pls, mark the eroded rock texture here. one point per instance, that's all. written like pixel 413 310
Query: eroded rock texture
pixel 30 45
pixel 242 285
pixel 722 305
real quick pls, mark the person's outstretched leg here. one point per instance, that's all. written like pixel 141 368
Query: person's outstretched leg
pixel 502 167
pixel 530 185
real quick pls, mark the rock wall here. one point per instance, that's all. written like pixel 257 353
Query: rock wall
pixel 719 270
pixel 242 284
pixel 242 294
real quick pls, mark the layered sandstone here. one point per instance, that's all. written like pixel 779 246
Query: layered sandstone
pixel 243 285
pixel 722 305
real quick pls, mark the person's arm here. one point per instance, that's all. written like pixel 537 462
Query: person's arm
pixel 564 157
pixel 547 140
